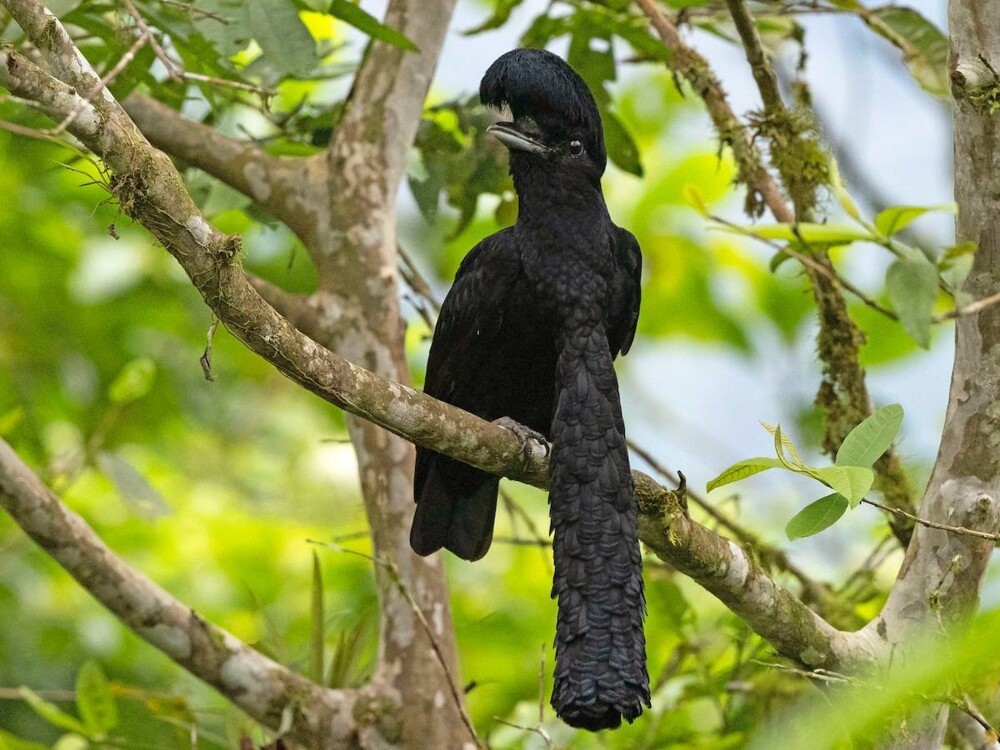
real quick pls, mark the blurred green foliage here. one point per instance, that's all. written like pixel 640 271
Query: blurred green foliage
pixel 214 489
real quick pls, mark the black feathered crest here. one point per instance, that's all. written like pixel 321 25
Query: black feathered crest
pixel 539 84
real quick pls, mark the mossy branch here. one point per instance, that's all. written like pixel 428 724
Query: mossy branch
pixel 802 164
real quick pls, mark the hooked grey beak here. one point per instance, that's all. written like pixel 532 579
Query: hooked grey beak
pixel 515 140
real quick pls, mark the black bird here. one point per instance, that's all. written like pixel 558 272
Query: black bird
pixel 528 332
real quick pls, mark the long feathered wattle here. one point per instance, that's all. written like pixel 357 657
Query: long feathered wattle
pixel 538 84
pixel 600 673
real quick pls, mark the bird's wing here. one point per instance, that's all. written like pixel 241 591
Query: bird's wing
pixel 471 316
pixel 627 291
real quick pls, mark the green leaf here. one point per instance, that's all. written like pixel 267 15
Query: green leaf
pixel 133 382
pixel 72 741
pixel 360 19
pixel 819 234
pixel 621 147
pixel 225 26
pixel 317 624
pixel 853 482
pixel 282 35
pixel 924 47
pixel 895 219
pixel 912 286
pixel 818 515
pixel 870 439
pixel 957 251
pixel 501 12
pixel 743 469
pixel 783 443
pixel 94 701
pixel 9 742
pixel 51 712
pixel 840 190
pixel 343 671
pixel 10 420
pixel 777 260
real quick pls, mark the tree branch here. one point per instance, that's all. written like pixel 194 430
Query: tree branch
pixel 762 190
pixel 276 185
pixel 264 689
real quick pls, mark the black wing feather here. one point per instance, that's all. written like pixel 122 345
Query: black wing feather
pixel 627 292
pixel 456 503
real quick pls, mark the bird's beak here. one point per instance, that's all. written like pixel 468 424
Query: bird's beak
pixel 515 140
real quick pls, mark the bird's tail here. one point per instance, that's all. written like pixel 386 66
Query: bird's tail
pixel 600 673
pixel 456 507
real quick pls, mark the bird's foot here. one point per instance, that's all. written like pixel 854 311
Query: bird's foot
pixel 525 434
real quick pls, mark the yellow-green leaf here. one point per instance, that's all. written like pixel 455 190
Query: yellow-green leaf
pixel 853 482
pixel 133 382
pixel 783 443
pixel 819 234
pixel 317 624
pixel 94 701
pixel 743 469
pixel 9 742
pixel 895 219
pixel 51 712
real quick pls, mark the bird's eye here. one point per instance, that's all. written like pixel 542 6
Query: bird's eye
pixel 575 147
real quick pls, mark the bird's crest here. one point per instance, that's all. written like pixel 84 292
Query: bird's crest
pixel 540 85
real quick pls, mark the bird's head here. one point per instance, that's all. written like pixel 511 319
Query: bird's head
pixel 555 117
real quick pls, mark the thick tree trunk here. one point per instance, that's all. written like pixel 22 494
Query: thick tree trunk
pixel 355 252
pixel 940 579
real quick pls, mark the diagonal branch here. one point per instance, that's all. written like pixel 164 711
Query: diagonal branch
pixel 274 184
pixel 151 192
pixel 687 63
pixel 264 689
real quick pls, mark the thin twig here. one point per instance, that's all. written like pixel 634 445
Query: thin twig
pixel 541 687
pixel 537 730
pixel 515 511
pixel 176 71
pixel 517 541
pixel 685 61
pixel 173 70
pixel 967 706
pixel 776 556
pixel 934 524
pixel 191 8
pixel 821 268
pixel 763 73
pixel 102 84
pixel 393 571
pixel 27 132
pixel 252 88
pixel 970 309
pixel 416 281
pixel 871 563
pixel 820 675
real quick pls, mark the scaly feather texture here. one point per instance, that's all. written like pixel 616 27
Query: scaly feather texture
pixel 529 331
pixel 600 647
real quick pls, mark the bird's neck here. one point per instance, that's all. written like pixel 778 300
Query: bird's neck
pixel 547 194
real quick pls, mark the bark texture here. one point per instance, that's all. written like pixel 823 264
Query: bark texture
pixel 939 582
